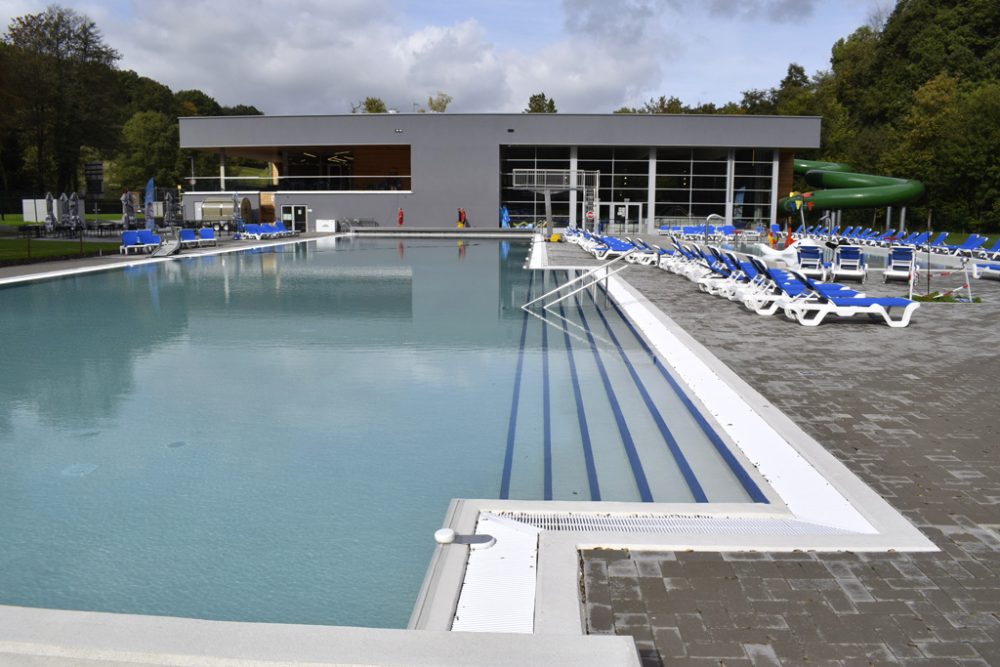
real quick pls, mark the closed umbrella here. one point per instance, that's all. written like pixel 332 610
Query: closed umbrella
pixel 50 218
pixel 147 205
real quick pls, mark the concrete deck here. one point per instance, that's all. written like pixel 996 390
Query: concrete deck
pixel 913 413
pixel 37 269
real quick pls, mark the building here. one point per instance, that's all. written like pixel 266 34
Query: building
pixel 654 169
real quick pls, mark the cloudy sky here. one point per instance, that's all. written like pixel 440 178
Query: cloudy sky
pixel 590 56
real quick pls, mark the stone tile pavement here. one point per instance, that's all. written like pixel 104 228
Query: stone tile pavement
pixel 914 413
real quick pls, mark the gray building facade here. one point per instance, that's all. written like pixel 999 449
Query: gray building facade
pixel 654 169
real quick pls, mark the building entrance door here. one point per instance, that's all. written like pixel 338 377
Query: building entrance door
pixel 294 217
pixel 622 217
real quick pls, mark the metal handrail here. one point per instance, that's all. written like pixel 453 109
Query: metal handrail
pixel 602 267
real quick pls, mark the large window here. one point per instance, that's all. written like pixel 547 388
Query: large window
pixel 345 168
pixel 690 184
pixel 753 171
pixel 526 206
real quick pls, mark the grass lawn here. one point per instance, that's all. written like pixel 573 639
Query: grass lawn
pixel 16 250
pixel 15 219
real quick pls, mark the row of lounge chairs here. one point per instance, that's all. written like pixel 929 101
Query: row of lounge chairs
pixel 204 237
pixel 766 290
pixel 711 232
pixel 971 247
pixel 139 241
pixel 274 230
pixel 143 241
pixel 760 288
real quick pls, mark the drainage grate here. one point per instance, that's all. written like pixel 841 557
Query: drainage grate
pixel 668 525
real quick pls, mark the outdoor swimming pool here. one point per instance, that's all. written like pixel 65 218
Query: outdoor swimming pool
pixel 275 435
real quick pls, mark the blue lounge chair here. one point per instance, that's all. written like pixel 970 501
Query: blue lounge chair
pixel 149 240
pixel 206 236
pixel 968 247
pixel 280 226
pixel 812 310
pixel 937 243
pixel 884 238
pixel 782 288
pixel 980 270
pixel 811 261
pixel 900 264
pixel 993 252
pixel 849 263
pixel 611 247
pixel 130 243
pixel 187 238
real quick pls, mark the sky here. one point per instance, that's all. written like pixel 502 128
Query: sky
pixel 590 56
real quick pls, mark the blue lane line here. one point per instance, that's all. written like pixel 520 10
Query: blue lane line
pixel 633 457
pixel 741 474
pixel 508 459
pixel 546 418
pixel 682 463
pixel 581 415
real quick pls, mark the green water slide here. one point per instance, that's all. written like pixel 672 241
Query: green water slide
pixel 848 189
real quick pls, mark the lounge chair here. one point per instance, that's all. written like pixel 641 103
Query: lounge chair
pixel 991 270
pixel 613 247
pixel 149 240
pixel 812 310
pixel 187 238
pixel 131 243
pixel 968 247
pixel 206 236
pixel 280 226
pixel 900 264
pixel 937 243
pixel 993 252
pixel 811 261
pixel 884 238
pixel 849 263
pixel 782 288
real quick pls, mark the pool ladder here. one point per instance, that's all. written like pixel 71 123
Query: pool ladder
pixel 589 280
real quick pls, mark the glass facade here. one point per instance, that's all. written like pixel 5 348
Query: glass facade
pixel 320 168
pixel 689 183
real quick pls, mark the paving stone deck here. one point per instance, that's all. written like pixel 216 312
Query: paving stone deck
pixel 914 413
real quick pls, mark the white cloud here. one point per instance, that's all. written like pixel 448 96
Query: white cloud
pixel 314 56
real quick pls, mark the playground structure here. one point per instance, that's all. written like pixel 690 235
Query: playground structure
pixel 848 190
pixel 550 181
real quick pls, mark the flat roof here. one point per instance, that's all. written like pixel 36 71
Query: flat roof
pixel 491 130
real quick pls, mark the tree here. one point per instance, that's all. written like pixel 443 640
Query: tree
pixel 149 150
pixel 63 72
pixel 661 105
pixel 370 105
pixel 196 103
pixel 241 110
pixel 144 94
pixel 439 102
pixel 539 103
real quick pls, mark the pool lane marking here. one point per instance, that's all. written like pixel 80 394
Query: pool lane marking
pixel 508 459
pixel 749 485
pixel 682 463
pixel 633 456
pixel 581 414
pixel 546 418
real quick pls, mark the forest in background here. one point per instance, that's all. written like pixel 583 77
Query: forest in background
pixel 914 94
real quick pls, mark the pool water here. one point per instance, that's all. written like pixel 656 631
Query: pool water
pixel 274 436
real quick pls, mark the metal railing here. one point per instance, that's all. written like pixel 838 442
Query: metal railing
pixel 593 273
